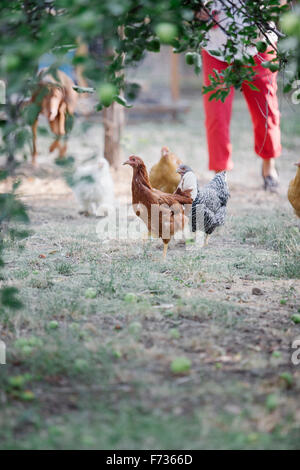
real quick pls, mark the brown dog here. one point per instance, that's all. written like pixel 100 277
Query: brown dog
pixel 55 98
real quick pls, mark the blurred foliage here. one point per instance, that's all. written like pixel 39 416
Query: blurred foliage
pixel 290 46
pixel 12 212
pixel 118 33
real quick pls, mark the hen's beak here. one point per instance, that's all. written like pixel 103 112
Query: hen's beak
pixel 297 164
pixel 126 163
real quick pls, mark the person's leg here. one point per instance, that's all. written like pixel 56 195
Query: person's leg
pixel 217 119
pixel 264 110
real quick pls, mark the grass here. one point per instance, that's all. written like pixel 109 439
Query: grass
pixel 64 268
pixel 89 356
pixel 123 430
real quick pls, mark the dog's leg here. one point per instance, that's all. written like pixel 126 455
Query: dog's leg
pixel 55 129
pixel 62 118
pixel 62 149
pixel 54 145
pixel 62 128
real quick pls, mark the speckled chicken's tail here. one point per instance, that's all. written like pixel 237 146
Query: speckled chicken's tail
pixel 219 184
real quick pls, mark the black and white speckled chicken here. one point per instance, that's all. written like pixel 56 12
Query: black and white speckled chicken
pixel 209 205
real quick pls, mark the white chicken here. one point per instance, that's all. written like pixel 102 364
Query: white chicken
pixel 94 188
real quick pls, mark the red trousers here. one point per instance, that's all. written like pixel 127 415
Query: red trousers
pixel 263 107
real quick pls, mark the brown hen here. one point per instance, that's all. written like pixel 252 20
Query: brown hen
pixel 163 174
pixel 162 213
pixel 294 191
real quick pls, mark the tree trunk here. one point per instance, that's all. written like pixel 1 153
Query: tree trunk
pixel 174 76
pixel 113 121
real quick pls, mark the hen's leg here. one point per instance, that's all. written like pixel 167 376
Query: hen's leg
pixel 165 249
pixel 146 236
pixel 211 221
pixel 206 238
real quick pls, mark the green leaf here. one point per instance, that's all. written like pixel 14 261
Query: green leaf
pixel 3 174
pixel 153 46
pixel 122 101
pixel 11 209
pixel 32 111
pixel 8 298
pixel 287 88
pixel 214 52
pixel 252 86
pixel 83 89
pixel 132 90
pixel 99 107
pixel 274 67
pixel 261 46
pixel 189 58
pixel 65 162
pixel 87 179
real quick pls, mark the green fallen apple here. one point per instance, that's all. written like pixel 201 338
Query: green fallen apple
pixel 130 297
pixel 276 354
pixel 32 341
pixel 296 318
pixel 272 402
pixel 27 350
pixel 80 365
pixel 53 325
pixel 116 353
pixel 27 395
pixel 181 365
pixel 174 333
pixel 287 378
pixel 18 381
pixel 135 327
pixel 90 293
